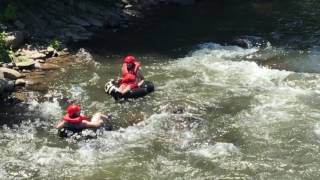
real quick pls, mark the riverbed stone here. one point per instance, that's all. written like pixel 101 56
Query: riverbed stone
pixel 29 64
pixel 48 66
pixel 11 73
pixel 32 54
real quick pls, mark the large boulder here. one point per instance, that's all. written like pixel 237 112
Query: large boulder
pixel 28 64
pixel 10 73
pixel 14 39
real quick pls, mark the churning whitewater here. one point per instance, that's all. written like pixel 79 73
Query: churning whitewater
pixel 214 114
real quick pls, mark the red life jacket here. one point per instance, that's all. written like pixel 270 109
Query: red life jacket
pixel 130 76
pixel 76 120
pixel 134 72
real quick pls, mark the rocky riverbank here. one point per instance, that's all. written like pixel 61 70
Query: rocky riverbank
pixel 36 36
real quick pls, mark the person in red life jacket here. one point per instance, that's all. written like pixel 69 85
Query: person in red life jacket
pixel 74 120
pixel 131 75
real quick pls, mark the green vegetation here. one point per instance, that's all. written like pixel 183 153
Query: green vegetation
pixel 5 53
pixel 55 44
pixel 9 12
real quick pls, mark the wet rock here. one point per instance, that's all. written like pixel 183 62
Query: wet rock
pixel 133 13
pixel 125 1
pixel 14 39
pixel 76 28
pixel 37 65
pixel 80 36
pixel 250 42
pixel 49 66
pixel 39 61
pixel 9 65
pixel 10 73
pixel 20 82
pixel 25 64
pixel 26 71
pixel 128 6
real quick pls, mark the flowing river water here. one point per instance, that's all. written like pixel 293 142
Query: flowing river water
pixel 219 111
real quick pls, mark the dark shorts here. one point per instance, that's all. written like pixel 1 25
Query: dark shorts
pixel 76 127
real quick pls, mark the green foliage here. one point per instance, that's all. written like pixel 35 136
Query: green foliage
pixel 5 53
pixel 55 44
pixel 9 13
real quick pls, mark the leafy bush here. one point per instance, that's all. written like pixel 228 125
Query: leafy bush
pixel 9 13
pixel 4 51
pixel 55 44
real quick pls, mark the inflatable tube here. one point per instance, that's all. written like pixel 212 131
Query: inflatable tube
pixel 83 133
pixel 111 89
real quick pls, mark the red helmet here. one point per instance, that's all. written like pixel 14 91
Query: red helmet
pixel 129 59
pixel 73 109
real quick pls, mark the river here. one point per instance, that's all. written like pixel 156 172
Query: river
pixel 219 111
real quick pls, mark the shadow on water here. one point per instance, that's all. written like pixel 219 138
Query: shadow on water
pixel 172 31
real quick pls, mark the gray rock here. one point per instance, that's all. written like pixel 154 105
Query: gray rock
pixel 133 13
pixel 76 28
pixel 95 22
pixel 32 54
pixel 37 65
pixel 10 73
pixel 128 6
pixel 19 24
pixel 49 66
pixel 14 39
pixel 79 21
pixel 25 64
pixel 125 1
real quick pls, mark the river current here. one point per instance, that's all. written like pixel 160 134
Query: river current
pixel 219 111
